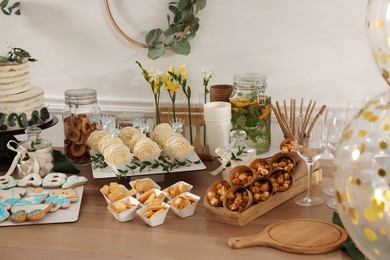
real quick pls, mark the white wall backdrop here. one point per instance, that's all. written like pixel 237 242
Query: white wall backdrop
pixel 316 49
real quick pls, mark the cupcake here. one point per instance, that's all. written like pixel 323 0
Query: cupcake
pixel 136 137
pixel 95 137
pixel 106 141
pixel 117 154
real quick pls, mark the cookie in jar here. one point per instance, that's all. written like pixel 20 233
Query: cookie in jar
pixel 81 117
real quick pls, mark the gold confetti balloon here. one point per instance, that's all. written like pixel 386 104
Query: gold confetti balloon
pixel 362 177
pixel 378 27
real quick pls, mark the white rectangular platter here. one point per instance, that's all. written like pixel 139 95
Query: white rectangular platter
pixel 70 214
pixel 108 172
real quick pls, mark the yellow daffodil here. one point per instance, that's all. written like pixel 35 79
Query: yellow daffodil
pixel 182 71
pixel 173 87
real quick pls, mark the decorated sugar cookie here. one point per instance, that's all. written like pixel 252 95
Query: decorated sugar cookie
pixel 38 192
pixel 4 214
pixel 30 180
pixel 31 212
pixel 74 181
pixel 12 193
pixel 54 180
pixel 58 202
pixel 7 182
pixel 70 194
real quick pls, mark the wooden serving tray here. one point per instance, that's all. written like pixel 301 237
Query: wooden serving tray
pixel 223 215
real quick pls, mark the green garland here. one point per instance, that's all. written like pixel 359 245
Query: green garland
pixel 165 162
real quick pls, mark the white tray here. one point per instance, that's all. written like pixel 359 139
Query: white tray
pixel 70 214
pixel 107 172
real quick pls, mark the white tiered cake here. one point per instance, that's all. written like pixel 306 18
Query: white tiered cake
pixel 21 104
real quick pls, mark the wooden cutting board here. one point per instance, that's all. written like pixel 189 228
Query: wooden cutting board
pixel 304 236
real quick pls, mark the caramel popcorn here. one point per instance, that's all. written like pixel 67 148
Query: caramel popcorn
pixel 242 178
pixel 281 181
pixel 261 190
pixel 260 169
pixel 237 200
pixel 284 163
pixel 216 197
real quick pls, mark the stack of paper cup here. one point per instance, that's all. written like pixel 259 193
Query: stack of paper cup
pixel 217 117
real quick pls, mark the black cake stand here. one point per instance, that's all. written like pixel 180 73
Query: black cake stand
pixel 6 156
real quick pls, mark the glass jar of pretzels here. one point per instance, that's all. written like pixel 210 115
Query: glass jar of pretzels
pixel 81 116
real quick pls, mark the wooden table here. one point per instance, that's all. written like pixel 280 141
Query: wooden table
pixel 98 235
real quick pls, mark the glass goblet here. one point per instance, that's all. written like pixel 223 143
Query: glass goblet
pixel 310 145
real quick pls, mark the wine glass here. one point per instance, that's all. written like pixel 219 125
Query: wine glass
pixel 310 145
pixel 335 129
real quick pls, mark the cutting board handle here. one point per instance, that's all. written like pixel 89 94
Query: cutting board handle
pixel 261 239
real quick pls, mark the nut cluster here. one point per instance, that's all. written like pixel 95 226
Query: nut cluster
pixel 237 200
pixel 241 178
pixel 284 163
pixel 215 197
pixel 281 181
pixel 260 169
pixel 261 190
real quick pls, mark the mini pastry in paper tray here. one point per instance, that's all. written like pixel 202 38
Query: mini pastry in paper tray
pixel 176 189
pixel 143 185
pixel 117 156
pixel 115 191
pixel 126 134
pixel 95 137
pixel 146 150
pixel 154 213
pixel 124 209
pixel 178 147
pixel 184 205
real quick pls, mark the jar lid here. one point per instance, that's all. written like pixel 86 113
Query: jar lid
pixel 80 96
pixel 249 78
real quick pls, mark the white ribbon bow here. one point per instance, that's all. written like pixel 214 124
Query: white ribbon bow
pixel 21 152
pixel 224 161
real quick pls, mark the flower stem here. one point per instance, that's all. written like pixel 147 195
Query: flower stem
pixel 189 116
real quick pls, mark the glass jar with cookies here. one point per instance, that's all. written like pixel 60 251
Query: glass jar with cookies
pixel 81 116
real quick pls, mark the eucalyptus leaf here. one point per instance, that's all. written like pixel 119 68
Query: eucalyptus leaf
pixel 2 118
pixel 156 51
pixel 5 12
pixel 169 35
pixel 153 36
pixel 183 4
pixel 190 36
pixel 200 4
pixel 18 13
pixel 182 47
pixel 184 18
pixel 4 3
pixel 174 9
pixel 14 5
pixel 195 27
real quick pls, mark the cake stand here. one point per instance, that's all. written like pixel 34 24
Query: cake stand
pixel 6 156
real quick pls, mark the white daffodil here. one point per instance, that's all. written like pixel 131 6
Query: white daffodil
pixel 207 74
pixel 154 75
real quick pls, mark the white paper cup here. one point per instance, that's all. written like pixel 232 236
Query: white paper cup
pixel 187 211
pixel 217 134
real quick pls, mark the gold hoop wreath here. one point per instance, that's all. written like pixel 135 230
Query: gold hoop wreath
pixel 181 30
